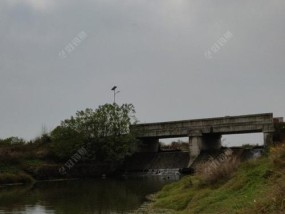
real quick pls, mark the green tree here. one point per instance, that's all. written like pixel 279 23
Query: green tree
pixel 66 142
pixel 105 132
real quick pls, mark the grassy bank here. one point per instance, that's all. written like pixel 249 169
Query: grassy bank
pixel 22 163
pixel 28 171
pixel 15 178
pixel 27 163
pixel 257 186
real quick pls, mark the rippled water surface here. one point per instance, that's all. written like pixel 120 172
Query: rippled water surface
pixel 79 196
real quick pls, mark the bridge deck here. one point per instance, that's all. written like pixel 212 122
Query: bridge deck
pixel 220 125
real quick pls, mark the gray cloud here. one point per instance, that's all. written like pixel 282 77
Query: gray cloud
pixel 153 50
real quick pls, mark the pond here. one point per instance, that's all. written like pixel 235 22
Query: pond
pixel 80 196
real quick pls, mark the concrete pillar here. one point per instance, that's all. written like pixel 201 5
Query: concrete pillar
pixel 267 138
pixel 148 145
pixel 195 146
pixel 199 142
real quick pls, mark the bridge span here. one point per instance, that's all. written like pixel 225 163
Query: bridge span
pixel 204 134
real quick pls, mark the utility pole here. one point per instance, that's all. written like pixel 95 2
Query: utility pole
pixel 115 92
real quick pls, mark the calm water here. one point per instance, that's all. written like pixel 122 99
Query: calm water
pixel 79 196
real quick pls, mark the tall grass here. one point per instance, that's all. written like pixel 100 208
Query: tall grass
pixel 215 171
pixel 255 186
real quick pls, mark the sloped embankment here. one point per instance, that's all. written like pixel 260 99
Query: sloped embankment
pixel 258 186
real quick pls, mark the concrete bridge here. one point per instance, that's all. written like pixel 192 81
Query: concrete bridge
pixel 204 134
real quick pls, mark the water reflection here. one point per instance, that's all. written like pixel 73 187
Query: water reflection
pixel 79 196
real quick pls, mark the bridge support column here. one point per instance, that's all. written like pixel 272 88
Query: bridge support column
pixel 195 146
pixel 267 138
pixel 202 142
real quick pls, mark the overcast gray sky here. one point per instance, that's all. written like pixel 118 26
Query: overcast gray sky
pixel 173 59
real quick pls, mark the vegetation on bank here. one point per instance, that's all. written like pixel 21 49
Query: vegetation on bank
pixel 257 186
pixel 103 133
